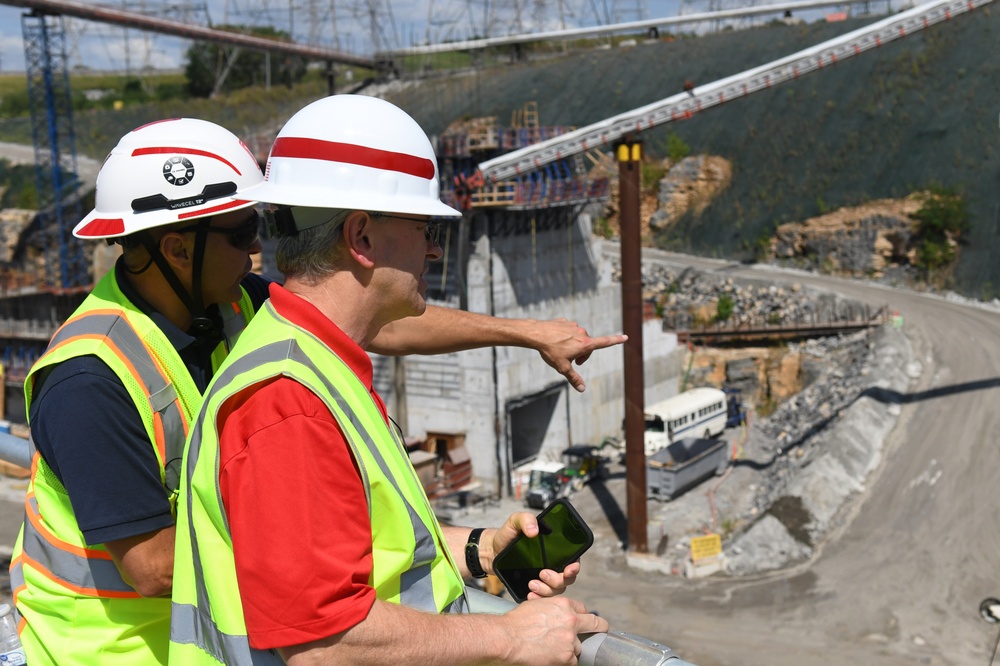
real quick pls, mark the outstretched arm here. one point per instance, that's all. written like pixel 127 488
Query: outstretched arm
pixel 560 342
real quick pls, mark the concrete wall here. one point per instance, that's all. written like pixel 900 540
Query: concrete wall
pixel 558 272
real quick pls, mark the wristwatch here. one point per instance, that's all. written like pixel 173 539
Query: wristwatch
pixel 472 554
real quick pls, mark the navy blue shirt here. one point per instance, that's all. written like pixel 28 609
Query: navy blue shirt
pixel 85 425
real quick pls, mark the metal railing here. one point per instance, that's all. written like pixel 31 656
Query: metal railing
pixel 615 648
pixel 14 449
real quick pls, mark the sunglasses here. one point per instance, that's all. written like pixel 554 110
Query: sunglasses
pixel 242 237
pixel 432 232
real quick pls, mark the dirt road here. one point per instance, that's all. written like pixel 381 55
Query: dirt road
pixel 20 154
pixel 902 581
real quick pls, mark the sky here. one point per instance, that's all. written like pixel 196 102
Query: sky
pixel 406 22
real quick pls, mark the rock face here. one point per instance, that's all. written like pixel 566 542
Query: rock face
pixel 829 405
pixel 690 185
pixel 862 241
pixel 13 221
pixel 765 375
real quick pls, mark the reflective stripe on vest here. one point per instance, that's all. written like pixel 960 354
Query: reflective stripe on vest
pixel 91 571
pixel 85 571
pixel 114 330
pixel 194 624
pixel 16 585
pixel 107 323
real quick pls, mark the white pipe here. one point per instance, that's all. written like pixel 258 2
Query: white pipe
pixel 15 450
pixel 630 26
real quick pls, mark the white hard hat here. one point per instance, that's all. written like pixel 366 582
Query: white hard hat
pixel 170 171
pixel 353 152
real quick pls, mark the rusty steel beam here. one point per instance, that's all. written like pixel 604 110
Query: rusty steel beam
pixel 629 168
pixel 771 332
pixel 185 31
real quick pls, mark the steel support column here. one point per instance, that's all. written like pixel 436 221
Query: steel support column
pixel 629 168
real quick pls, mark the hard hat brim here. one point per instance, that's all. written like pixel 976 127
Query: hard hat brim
pixel 97 225
pixel 312 197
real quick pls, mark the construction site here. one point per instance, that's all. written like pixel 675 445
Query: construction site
pixel 524 248
pixel 824 371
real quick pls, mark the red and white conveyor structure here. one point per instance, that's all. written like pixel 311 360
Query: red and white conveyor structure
pixel 686 104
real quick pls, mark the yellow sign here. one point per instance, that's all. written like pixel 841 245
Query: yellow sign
pixel 705 546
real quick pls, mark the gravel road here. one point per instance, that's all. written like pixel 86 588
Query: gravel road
pixel 902 580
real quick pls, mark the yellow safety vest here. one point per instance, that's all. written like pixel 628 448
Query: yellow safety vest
pixel 72 603
pixel 411 564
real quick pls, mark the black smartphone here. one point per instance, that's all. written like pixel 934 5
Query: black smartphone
pixel 562 538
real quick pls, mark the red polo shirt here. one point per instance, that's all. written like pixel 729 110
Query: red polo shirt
pixel 295 502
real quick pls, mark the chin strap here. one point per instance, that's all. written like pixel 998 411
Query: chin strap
pixel 201 323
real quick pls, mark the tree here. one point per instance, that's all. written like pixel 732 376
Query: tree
pixel 214 68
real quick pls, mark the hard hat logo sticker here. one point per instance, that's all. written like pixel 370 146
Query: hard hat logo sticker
pixel 178 171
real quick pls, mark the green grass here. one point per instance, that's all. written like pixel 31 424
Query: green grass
pixel 246 111
pixel 118 89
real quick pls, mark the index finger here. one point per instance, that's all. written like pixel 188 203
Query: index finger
pixel 605 341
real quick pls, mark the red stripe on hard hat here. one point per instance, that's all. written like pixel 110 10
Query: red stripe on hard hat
pixel 203 212
pixel 349 153
pixel 168 150
pixel 103 227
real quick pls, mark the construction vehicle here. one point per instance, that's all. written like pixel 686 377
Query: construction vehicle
pixel 545 483
pixel 550 480
pixel 584 462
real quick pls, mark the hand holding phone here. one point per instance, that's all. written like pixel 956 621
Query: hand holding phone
pixel 563 537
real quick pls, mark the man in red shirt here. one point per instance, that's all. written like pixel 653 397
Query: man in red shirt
pixel 325 532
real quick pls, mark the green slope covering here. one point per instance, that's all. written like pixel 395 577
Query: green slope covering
pixel 919 110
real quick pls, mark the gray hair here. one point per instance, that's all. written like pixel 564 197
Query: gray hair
pixel 314 253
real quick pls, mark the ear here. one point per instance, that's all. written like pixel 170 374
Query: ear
pixel 358 238
pixel 174 248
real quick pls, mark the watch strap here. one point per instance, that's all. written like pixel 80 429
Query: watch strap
pixel 472 553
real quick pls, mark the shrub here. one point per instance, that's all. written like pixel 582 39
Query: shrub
pixel 651 175
pixel 724 309
pixel 942 219
pixel 677 149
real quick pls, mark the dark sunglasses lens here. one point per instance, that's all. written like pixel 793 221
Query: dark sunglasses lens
pixel 434 231
pixel 245 236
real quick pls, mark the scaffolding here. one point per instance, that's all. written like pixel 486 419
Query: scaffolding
pixel 55 149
